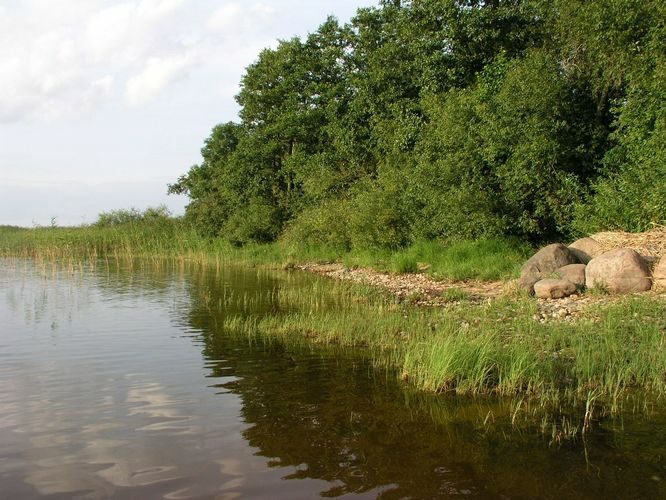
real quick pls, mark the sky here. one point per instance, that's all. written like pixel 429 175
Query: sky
pixel 104 102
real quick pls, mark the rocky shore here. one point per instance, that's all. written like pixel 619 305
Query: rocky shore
pixel 415 288
pixel 419 289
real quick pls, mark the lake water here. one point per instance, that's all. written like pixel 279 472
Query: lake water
pixel 119 381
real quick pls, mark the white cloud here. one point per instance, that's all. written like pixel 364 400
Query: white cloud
pixel 225 17
pixel 156 75
pixel 72 73
pixel 128 31
pixel 65 60
pixel 103 85
pixel 235 18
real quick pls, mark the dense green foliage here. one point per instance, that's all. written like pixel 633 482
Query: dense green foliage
pixel 445 119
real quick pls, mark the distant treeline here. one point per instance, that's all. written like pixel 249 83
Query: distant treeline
pixel 445 119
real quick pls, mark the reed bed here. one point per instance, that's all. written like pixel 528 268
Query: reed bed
pixel 170 238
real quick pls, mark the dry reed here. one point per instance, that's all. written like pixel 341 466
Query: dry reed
pixel 649 244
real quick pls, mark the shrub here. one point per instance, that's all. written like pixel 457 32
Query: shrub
pixel 632 194
pixel 257 222
pixel 324 224
pixel 503 156
pixel 377 215
pixel 151 215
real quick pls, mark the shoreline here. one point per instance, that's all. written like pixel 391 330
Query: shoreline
pixel 460 337
pixel 421 290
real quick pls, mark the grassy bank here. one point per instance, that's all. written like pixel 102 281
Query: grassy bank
pixel 487 259
pixel 561 377
pixel 498 347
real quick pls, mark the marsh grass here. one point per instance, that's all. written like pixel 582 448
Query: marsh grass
pixel 166 237
pixel 489 349
pixel 559 378
pixel 90 242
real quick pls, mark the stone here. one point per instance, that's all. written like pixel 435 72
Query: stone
pixel 549 259
pixel 544 262
pixel 527 282
pixel 575 273
pixel 651 262
pixel 586 249
pixel 554 289
pixel 659 274
pixel 619 271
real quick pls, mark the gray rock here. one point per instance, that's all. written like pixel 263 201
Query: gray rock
pixel 659 274
pixel 586 249
pixel 575 273
pixel 527 282
pixel 544 262
pixel 620 271
pixel 554 289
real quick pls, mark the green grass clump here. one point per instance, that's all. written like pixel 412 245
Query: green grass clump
pixel 455 294
pixel 404 264
pixel 485 259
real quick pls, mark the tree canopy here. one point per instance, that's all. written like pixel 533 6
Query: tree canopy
pixel 445 119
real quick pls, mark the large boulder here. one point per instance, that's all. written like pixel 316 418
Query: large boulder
pixel 619 271
pixel 659 274
pixel 586 249
pixel 544 262
pixel 575 273
pixel 553 289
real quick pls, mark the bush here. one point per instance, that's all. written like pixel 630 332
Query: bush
pixel 322 225
pixel 377 215
pixel 632 194
pixel 257 222
pixel 503 156
pixel 151 215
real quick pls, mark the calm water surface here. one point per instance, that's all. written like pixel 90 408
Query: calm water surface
pixel 119 381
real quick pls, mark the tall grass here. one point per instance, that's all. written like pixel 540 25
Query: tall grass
pixel 485 259
pixel 557 376
pixel 496 348
pixel 170 238
pixel 165 237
